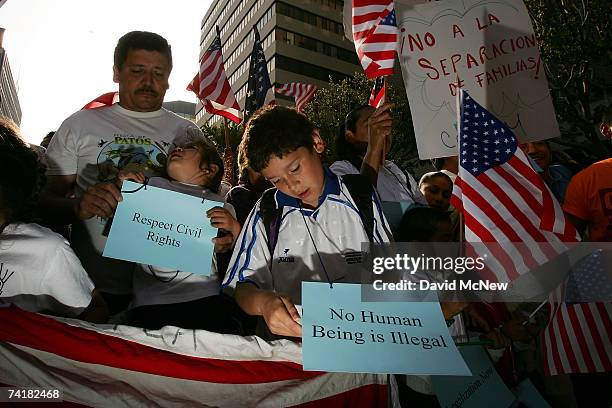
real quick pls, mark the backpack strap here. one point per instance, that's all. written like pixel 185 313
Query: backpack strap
pixel 271 217
pixel 361 191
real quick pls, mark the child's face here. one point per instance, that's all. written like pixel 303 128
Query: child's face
pixel 298 174
pixel 184 165
pixel 437 192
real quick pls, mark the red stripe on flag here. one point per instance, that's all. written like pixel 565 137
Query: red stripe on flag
pixel 76 343
pixel 596 337
pixel 582 343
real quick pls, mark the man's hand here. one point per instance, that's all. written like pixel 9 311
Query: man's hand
pixel 281 316
pixel 136 176
pixel 99 200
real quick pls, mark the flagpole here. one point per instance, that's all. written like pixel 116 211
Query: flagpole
pixel 228 156
pixel 458 107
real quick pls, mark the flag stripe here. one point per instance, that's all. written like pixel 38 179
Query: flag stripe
pixel 375 35
pixel 213 88
pixel 54 337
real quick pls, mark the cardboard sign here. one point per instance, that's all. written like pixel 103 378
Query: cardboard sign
pixel 483 389
pixel 340 333
pixel 163 228
pixel 485 47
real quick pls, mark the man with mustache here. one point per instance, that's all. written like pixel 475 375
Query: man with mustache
pixel 93 145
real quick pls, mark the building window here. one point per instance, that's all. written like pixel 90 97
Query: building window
pixel 306 69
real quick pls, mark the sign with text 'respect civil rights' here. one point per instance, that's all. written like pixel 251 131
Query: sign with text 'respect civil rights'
pixel 162 228
pixel 487 47
pixel 340 333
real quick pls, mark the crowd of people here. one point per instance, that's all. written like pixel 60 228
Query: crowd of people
pixel 291 218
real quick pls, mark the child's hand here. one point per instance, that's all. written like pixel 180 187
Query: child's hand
pixel 281 316
pixel 222 218
pixel 136 176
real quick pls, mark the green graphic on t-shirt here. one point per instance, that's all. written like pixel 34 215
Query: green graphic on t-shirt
pixel 135 154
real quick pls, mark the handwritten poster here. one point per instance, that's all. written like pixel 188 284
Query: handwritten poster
pixel 487 47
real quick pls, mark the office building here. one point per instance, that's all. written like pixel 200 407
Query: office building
pixel 303 41
pixel 9 103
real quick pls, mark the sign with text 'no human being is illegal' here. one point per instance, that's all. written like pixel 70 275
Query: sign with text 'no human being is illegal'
pixel 163 228
pixel 340 333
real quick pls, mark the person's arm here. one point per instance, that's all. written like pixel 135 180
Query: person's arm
pixel 379 139
pixel 99 200
pixel 278 311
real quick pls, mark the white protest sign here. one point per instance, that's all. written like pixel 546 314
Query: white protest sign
pixel 485 47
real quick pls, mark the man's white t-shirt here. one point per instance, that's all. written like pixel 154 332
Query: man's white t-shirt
pixel 39 272
pixel 153 285
pixel 392 184
pixel 95 144
pixel 310 243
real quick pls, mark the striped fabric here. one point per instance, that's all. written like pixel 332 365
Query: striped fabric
pixel 212 87
pixel 375 35
pixel 104 365
pixel 302 93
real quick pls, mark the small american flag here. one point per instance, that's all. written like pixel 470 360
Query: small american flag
pixel 302 93
pixel 503 199
pixel 259 89
pixel 590 280
pixel 378 94
pixel 212 87
pixel 375 35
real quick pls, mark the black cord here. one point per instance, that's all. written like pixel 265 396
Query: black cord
pixel 315 246
pixel 144 185
pixel 410 193
pixel 152 271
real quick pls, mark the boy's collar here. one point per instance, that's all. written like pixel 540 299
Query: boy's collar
pixel 332 186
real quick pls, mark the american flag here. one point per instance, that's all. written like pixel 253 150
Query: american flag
pixel 577 338
pixel 502 198
pixel 212 87
pixel 378 94
pixel 375 35
pixel 302 93
pixel 504 201
pixel 106 365
pixel 259 89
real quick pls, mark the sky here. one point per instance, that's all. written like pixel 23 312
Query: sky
pixel 61 51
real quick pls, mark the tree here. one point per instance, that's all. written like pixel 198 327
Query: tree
pixel 217 135
pixel 574 38
pixel 330 106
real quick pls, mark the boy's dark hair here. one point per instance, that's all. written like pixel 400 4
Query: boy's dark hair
pixel 21 177
pixel 343 149
pixel 141 40
pixel 275 131
pixel 419 224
